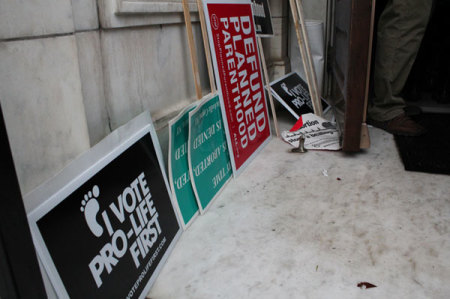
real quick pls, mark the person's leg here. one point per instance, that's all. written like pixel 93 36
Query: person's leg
pixel 400 31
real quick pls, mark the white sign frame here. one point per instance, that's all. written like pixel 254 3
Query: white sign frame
pixel 54 191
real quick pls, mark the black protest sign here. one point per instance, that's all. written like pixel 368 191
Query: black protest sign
pixel 107 237
pixel 262 18
pixel 293 93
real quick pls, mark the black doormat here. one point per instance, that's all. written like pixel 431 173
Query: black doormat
pixel 431 151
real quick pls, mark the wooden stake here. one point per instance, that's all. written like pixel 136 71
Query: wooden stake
pixel 365 138
pixel 266 76
pixel 315 90
pixel 369 58
pixel 301 39
pixel 301 45
pixel 201 14
pixel 187 20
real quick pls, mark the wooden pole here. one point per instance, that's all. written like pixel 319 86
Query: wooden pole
pixel 314 88
pixel 365 138
pixel 187 20
pixel 369 58
pixel 300 39
pixel 266 76
pixel 201 14
pixel 301 45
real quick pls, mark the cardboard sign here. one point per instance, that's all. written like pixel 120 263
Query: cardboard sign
pixel 238 71
pixel 209 160
pixel 293 93
pixel 108 224
pixel 319 133
pixel 262 18
pixel 179 177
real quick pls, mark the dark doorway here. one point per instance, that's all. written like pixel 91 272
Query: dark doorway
pixel 429 81
pixel 428 85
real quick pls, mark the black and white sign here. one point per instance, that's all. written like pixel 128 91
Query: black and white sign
pixel 107 232
pixel 318 133
pixel 262 18
pixel 293 93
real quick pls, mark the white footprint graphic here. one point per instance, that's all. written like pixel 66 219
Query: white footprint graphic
pixel 90 207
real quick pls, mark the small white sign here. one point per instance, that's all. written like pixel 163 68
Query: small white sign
pixel 319 133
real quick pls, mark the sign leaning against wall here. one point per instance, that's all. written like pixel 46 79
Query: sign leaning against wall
pixel 107 222
pixel 234 49
pixel 209 160
pixel 179 177
pixel 293 93
pixel 262 18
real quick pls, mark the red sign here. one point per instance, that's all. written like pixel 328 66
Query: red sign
pixel 238 71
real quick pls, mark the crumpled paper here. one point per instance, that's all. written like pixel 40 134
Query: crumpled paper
pixel 319 133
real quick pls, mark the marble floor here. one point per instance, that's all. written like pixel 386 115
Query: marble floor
pixel 285 230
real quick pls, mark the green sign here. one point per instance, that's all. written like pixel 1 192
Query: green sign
pixel 179 176
pixel 209 159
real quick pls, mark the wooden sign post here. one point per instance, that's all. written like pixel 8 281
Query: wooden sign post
pixel 303 43
pixel 193 52
pixel 266 78
pixel 365 138
pixel 201 14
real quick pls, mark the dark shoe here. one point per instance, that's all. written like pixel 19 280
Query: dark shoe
pixel 412 110
pixel 400 125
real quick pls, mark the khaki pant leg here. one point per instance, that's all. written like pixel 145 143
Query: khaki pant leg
pixel 400 31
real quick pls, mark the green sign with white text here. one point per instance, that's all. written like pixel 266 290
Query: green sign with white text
pixel 179 176
pixel 209 159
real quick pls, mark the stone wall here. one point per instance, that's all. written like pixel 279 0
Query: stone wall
pixel 71 71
